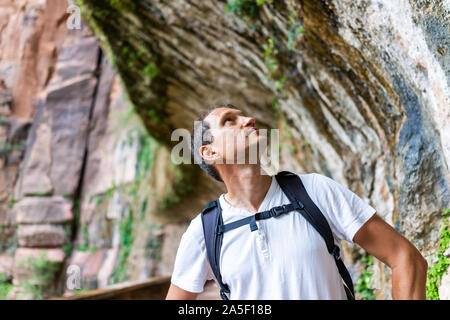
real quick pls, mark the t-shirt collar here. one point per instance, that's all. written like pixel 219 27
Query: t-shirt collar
pixel 226 206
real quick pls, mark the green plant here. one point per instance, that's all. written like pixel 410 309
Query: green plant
pixel 126 242
pixel 364 284
pixel 11 203
pixel 76 214
pixel 98 198
pixel 78 291
pixel 146 156
pixel 294 30
pixel 76 208
pixel 275 105
pixel 110 191
pixel 293 149
pixel 85 235
pixel 5 286
pixel 85 246
pixel 143 210
pixel 43 274
pixel 279 84
pixel 150 71
pixel 67 246
pixel 436 272
pixel 140 62
pixel 181 186
pixel 5 148
pixel 123 5
pixel 247 10
pixel 273 69
pixel 242 8
pixel 270 53
pixel 67 249
pixel 154 242
pixel 295 26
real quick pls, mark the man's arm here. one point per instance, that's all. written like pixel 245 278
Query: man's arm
pixel 409 268
pixel 176 293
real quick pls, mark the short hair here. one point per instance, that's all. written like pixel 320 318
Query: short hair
pixel 199 139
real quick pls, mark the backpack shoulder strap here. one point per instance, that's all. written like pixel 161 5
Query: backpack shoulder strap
pixel 293 187
pixel 212 220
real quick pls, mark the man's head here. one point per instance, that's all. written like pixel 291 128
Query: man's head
pixel 225 132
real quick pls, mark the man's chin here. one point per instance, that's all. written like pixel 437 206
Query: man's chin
pixel 257 140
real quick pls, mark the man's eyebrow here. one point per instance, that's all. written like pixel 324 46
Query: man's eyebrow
pixel 227 113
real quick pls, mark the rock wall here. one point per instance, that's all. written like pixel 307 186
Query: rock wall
pixel 29 40
pixel 358 89
pixel 82 181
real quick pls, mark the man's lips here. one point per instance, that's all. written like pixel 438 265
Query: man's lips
pixel 253 129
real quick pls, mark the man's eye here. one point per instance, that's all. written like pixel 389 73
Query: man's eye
pixel 227 119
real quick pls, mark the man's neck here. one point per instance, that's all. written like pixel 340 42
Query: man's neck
pixel 247 186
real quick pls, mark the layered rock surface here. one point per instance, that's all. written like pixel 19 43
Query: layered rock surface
pixel 78 183
pixel 361 89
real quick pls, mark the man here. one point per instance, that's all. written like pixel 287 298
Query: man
pixel 285 258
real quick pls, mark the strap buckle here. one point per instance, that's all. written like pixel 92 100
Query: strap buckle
pixel 253 225
pixel 223 295
pixel 277 211
pixel 219 230
pixel 336 252
pixel 298 205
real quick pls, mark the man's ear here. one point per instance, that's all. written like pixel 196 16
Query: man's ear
pixel 208 153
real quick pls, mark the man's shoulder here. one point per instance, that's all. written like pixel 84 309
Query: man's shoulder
pixel 307 176
pixel 318 184
pixel 195 228
pixel 310 179
pixel 315 179
pixel 196 222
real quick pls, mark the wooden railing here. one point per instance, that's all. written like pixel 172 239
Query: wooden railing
pixel 152 289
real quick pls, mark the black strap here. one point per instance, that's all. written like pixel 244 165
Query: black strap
pixel 293 187
pixel 211 219
pixel 272 213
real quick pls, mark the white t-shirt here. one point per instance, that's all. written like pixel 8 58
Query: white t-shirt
pixel 286 258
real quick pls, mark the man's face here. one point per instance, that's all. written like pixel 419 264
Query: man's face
pixel 235 137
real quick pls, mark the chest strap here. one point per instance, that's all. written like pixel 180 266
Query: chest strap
pixel 272 213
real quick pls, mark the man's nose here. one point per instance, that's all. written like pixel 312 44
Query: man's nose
pixel 249 122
